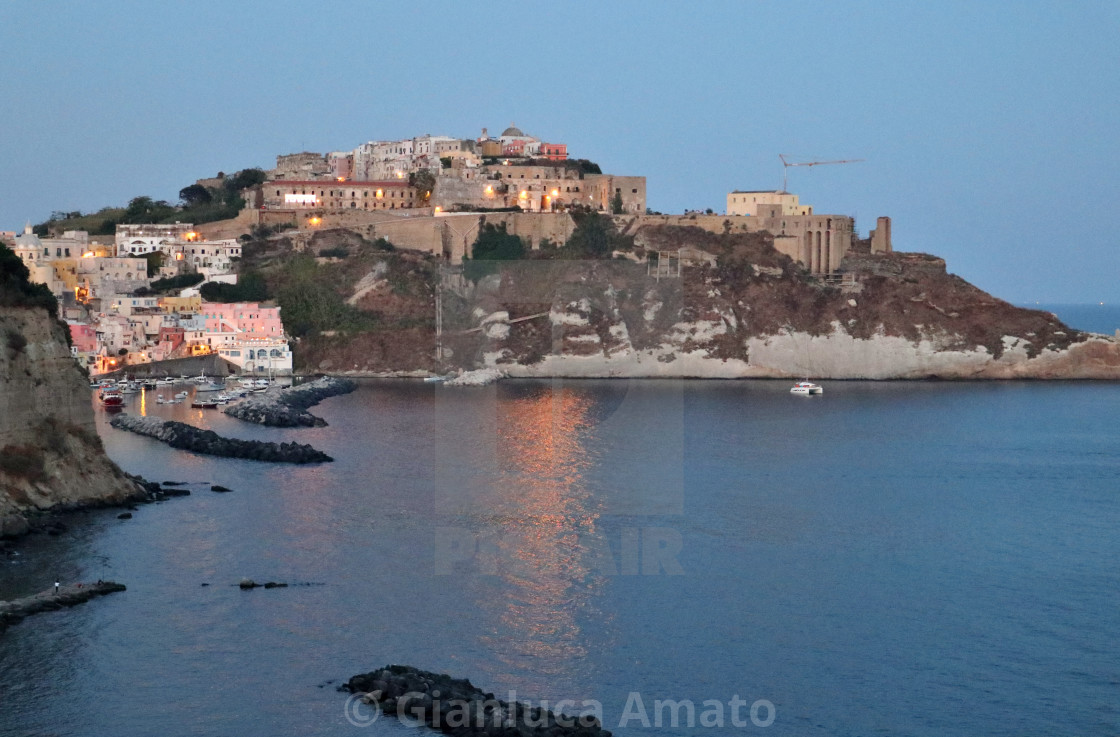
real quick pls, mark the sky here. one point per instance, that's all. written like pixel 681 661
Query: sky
pixel 988 130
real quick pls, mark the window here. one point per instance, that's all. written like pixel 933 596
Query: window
pixel 634 191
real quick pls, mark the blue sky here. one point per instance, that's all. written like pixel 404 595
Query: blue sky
pixel 988 129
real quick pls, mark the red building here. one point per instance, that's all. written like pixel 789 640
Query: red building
pixel 514 148
pixel 173 337
pixel 554 151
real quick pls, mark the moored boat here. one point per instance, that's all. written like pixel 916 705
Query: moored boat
pixel 806 388
pixel 111 398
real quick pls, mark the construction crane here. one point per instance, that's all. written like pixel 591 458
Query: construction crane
pixel 787 164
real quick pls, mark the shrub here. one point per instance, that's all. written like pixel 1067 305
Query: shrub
pixel 52 433
pixel 336 252
pixel 16 341
pixel 176 282
pixel 250 287
pixel 22 461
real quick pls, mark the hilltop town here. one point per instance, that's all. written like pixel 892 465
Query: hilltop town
pixel 377 259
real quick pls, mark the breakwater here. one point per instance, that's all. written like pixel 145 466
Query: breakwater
pixel 207 442
pixel 456 706
pixel 15 611
pixel 287 407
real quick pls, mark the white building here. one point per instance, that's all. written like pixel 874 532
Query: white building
pixel 137 239
pixel 266 356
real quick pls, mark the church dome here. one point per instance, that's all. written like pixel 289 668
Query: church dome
pixel 513 131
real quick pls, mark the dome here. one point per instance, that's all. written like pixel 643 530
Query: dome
pixel 512 131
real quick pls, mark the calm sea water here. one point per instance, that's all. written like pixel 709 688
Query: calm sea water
pixel 891 558
pixel 1095 318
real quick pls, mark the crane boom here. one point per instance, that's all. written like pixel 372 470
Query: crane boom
pixel 787 164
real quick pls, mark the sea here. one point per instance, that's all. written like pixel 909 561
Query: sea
pixel 676 557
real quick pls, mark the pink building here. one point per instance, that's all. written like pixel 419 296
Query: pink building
pixel 84 338
pixel 246 319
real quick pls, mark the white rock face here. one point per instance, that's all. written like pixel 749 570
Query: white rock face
pixel 834 356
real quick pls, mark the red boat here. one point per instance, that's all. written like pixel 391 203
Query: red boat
pixel 111 398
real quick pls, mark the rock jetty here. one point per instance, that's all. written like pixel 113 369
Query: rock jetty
pixel 455 706
pixel 12 612
pixel 287 406
pixel 207 442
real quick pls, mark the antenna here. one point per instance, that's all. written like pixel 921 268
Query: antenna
pixel 787 164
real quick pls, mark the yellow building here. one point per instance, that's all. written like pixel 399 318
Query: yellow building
pixel 747 202
pixel 175 305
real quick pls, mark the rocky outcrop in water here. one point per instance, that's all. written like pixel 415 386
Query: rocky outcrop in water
pixel 287 407
pixel 15 611
pixel 456 706
pixel 207 442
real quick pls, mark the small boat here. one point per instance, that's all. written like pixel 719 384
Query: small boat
pixel 149 383
pixel 209 387
pixel 166 381
pixel 204 404
pixel 805 388
pixel 129 387
pixel 111 398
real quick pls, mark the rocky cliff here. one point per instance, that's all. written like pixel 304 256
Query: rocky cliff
pixel 732 306
pixel 738 308
pixel 50 454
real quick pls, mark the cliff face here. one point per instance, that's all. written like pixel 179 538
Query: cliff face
pixel 50 454
pixel 736 308
pixel 755 313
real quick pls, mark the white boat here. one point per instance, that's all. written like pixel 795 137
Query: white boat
pixel 182 395
pixel 806 388
pixel 209 387
pixel 168 381
pixel 129 387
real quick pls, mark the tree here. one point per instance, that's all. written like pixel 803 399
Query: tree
pixel 244 179
pixel 195 194
pixel 155 260
pixel 495 244
pixel 424 182
pixel 594 236
pixel 147 210
pixel 616 202
pixel 16 289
